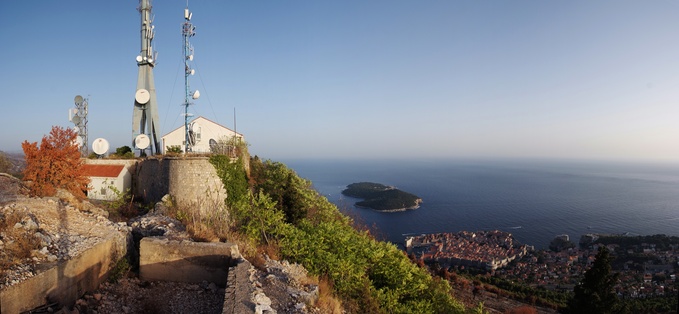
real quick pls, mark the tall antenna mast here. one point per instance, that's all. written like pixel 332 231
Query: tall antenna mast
pixel 79 117
pixel 145 112
pixel 188 31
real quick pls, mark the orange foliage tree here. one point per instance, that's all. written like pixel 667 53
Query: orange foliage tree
pixel 55 164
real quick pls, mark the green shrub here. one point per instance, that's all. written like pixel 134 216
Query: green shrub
pixel 174 149
pixel 233 176
pixel 369 276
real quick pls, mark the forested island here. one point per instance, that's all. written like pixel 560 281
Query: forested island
pixel 382 197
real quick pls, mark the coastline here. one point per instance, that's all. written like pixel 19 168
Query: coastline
pixel 417 205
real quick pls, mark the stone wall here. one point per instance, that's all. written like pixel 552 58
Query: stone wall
pixel 238 290
pixel 194 182
pixel 191 181
pixel 151 179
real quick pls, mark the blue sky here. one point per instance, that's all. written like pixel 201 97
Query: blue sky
pixel 363 79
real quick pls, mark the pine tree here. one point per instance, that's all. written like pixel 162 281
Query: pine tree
pixel 595 293
pixel 55 164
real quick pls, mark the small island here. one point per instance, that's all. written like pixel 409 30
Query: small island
pixel 381 197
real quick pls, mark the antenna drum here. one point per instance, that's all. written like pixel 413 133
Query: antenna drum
pixel 142 141
pixel 100 146
pixel 142 96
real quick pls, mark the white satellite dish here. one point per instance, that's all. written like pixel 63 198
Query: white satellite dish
pixel 79 141
pixel 76 119
pixel 139 59
pixel 196 94
pixel 76 130
pixel 100 146
pixel 142 141
pixel 142 96
pixel 78 99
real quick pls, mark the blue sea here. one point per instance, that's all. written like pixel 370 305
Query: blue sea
pixel 535 200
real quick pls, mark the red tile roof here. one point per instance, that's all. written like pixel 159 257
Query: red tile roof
pixel 109 171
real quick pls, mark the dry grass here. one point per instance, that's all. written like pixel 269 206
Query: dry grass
pixel 205 220
pixel 327 303
pixel 210 221
pixel 18 242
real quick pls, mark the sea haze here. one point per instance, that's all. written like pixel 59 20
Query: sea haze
pixel 532 199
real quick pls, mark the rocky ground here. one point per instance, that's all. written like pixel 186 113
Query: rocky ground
pixel 62 227
pixel 39 232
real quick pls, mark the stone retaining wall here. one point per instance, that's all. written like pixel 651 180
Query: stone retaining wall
pixel 191 181
pixel 237 298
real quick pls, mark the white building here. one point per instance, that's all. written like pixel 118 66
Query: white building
pixel 203 132
pixel 107 182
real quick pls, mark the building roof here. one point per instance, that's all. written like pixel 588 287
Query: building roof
pixel 106 171
pixel 204 118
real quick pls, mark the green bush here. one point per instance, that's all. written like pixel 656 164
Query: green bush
pixel 174 149
pixel 370 276
pixel 121 151
pixel 233 176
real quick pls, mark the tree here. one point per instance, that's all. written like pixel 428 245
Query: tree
pixel 124 152
pixel 595 294
pixel 120 151
pixel 55 164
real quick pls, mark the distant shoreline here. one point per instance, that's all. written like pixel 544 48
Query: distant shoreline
pixel 416 206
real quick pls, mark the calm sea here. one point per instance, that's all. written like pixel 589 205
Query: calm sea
pixel 533 200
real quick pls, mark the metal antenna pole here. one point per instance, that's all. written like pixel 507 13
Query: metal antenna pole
pixel 188 31
pixel 145 113
pixel 79 118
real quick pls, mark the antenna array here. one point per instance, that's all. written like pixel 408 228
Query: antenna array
pixel 188 31
pixel 145 113
pixel 78 116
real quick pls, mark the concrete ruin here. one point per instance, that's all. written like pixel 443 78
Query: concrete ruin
pixel 160 260
pixel 65 281
pixel 184 261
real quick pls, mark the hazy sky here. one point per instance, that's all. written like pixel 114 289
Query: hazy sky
pixel 568 79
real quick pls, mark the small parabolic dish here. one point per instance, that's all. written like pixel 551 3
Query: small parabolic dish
pixel 100 146
pixel 142 141
pixel 76 119
pixel 78 99
pixel 139 59
pixel 142 96
pixel 76 130
pixel 196 95
pixel 79 141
